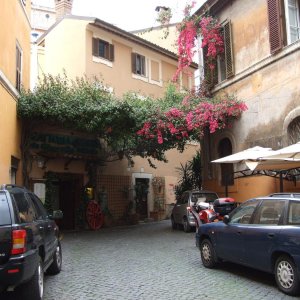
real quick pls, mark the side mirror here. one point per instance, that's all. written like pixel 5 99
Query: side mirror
pixel 226 219
pixel 57 214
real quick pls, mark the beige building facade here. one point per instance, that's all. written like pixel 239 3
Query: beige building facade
pixel 261 66
pixel 14 74
pixel 83 46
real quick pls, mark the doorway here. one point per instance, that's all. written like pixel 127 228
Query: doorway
pixel 69 191
pixel 141 188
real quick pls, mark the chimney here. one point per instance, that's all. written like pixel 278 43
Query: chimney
pixel 62 8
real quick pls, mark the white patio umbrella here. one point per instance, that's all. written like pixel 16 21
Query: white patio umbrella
pixel 259 158
pixel 291 152
pixel 251 154
pixel 282 159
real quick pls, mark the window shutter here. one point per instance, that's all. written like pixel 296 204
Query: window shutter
pixel 228 49
pixel 111 52
pixel 275 33
pixel 95 47
pixel 133 62
pixel 143 65
pixel 210 75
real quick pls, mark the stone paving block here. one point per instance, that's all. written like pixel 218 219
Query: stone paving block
pixel 149 261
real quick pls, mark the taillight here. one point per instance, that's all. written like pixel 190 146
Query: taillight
pixel 18 241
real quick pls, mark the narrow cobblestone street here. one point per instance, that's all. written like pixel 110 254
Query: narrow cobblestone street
pixel 148 261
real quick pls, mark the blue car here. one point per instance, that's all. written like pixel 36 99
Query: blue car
pixel 262 233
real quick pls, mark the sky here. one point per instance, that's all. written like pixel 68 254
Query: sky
pixel 127 14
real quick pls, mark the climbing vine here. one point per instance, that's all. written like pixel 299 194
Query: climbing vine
pixel 189 29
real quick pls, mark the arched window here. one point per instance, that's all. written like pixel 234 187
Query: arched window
pixel 225 149
pixel 293 131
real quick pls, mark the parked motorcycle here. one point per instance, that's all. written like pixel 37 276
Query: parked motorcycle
pixel 205 212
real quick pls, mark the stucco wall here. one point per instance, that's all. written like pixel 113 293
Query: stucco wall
pixel 68 46
pixel 65 49
pixel 14 29
pixel 268 84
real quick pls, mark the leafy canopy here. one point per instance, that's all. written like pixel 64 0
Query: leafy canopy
pixel 133 125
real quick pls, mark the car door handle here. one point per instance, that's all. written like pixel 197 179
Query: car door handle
pixel 239 232
pixel 271 235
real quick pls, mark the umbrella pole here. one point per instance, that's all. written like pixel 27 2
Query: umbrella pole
pixel 280 182
pixel 226 187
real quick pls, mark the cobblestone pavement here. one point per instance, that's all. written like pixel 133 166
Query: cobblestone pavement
pixel 149 261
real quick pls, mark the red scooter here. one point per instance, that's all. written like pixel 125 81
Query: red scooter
pixel 205 212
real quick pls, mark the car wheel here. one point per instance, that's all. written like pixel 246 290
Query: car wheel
pixel 186 225
pixel 34 288
pixel 208 255
pixel 286 275
pixel 174 225
pixel 55 267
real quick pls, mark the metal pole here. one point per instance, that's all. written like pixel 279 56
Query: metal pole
pixel 226 186
pixel 280 182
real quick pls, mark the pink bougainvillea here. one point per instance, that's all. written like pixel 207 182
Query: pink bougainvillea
pixel 177 124
pixel 211 38
pixel 196 113
pixel 192 26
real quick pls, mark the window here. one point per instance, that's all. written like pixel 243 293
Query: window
pixel 40 210
pixel 292 20
pixel 284 24
pixel 18 67
pixel 138 64
pixel 4 210
pixel 294 213
pixel 103 49
pixel 26 209
pixel 223 68
pixel 269 212
pixel 243 213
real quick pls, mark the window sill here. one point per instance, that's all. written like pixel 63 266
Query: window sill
pixel 140 77
pixel 103 61
pixel 159 83
pixel 146 79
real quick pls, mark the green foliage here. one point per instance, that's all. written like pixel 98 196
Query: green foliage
pixel 50 179
pixel 85 105
pixel 190 175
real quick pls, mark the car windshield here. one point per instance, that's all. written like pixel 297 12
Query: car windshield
pixel 204 197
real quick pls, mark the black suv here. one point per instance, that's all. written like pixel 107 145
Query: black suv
pixel 29 243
